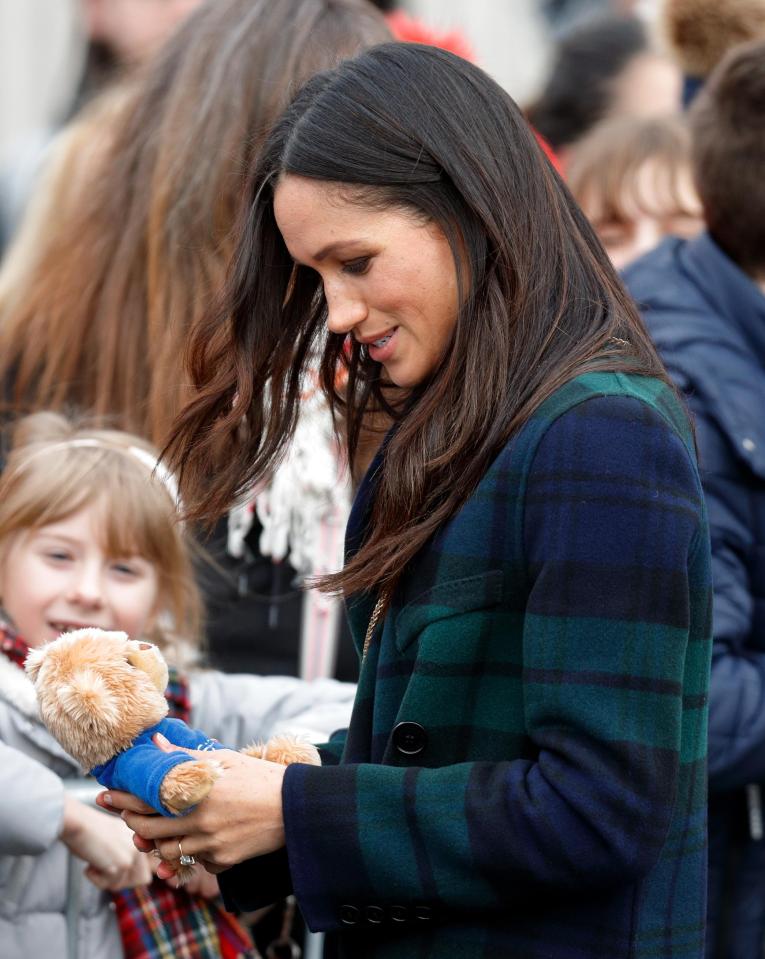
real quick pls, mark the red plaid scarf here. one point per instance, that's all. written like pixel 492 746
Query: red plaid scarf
pixel 156 921
pixel 12 645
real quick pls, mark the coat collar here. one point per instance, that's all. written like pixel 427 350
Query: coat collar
pixel 733 294
pixel 17 689
pixel 734 384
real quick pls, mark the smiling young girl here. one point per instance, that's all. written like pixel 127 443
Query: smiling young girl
pixel 89 536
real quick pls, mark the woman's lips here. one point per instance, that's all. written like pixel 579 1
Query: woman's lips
pixel 384 351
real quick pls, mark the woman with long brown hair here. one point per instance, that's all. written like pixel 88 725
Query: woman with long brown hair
pixel 527 571
pixel 100 321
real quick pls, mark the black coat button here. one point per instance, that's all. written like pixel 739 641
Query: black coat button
pixel 375 914
pixel 399 913
pixel 349 915
pixel 423 912
pixel 410 739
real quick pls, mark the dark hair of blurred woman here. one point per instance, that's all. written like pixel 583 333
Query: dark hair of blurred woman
pixel 601 67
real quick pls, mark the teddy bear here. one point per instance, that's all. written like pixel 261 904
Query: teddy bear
pixel 101 695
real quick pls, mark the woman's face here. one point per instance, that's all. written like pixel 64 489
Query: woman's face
pixel 650 85
pixel 389 278
pixel 134 29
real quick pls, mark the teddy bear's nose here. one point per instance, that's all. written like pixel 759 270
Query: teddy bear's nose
pixel 144 646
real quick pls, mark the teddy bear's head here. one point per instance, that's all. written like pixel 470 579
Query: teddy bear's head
pixel 97 691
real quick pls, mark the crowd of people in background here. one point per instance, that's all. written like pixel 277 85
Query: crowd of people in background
pixel 166 324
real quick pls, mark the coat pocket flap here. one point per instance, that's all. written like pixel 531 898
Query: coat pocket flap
pixel 447 599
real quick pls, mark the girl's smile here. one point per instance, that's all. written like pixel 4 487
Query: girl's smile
pixel 58 577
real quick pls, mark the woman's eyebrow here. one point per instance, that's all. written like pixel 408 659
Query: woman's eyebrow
pixel 334 246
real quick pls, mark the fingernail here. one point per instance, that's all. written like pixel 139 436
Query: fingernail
pixel 123 814
pixel 160 740
pixel 106 799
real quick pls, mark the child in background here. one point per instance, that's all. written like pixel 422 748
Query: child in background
pixel 89 536
pixel 632 177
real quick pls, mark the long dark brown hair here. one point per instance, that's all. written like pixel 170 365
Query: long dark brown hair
pixel 134 240
pixel 415 128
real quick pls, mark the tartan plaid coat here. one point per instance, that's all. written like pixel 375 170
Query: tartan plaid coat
pixel 524 773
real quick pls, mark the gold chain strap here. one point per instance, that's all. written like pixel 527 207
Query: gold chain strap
pixel 379 606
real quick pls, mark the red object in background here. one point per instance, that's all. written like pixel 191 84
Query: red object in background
pixel 411 30
pixel 552 156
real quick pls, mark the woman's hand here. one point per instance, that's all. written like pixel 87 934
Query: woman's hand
pixel 106 846
pixel 239 819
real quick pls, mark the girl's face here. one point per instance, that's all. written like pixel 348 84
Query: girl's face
pixel 389 279
pixel 58 578
pixel 652 209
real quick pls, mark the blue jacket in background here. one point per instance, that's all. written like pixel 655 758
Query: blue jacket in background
pixel 707 318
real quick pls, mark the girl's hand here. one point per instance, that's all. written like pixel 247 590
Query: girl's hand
pixel 202 883
pixel 106 845
pixel 239 819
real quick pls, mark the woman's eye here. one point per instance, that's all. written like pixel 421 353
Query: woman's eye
pixel 58 555
pixel 358 266
pixel 125 569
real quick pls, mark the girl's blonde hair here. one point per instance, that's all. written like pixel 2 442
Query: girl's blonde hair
pixel 57 467
pixel 604 167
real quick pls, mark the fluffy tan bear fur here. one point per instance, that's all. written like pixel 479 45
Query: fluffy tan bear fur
pixel 98 690
pixel 700 32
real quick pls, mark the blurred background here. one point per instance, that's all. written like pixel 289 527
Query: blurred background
pixel 43 45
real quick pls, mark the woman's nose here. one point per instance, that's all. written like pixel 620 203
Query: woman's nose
pixel 344 311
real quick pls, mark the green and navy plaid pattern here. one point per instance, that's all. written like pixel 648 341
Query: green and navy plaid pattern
pixel 553 642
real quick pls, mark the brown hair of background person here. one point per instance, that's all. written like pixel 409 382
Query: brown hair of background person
pixel 729 155
pixel 632 177
pixel 539 300
pixel 700 32
pixel 99 319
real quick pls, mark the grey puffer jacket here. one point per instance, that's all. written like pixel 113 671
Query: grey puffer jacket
pixel 37 874
pixel 38 877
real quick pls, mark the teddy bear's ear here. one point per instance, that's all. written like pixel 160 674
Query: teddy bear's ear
pixel 147 657
pixel 33 662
